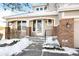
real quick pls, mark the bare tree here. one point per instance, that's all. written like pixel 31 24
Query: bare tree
pixel 15 6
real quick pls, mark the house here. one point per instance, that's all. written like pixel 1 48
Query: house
pixel 42 18
pixel 56 19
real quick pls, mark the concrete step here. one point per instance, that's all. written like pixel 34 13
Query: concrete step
pixel 37 39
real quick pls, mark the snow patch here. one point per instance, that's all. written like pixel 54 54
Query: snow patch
pixel 67 50
pixel 8 41
pixel 50 40
pixel 70 50
pixel 16 48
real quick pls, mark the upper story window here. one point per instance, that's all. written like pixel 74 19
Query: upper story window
pixel 45 8
pixel 37 9
pixel 41 8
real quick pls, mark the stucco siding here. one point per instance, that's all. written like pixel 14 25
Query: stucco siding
pixel 71 13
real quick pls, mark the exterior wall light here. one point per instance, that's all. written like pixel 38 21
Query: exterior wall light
pixel 67 25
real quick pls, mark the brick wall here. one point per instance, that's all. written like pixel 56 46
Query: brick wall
pixel 28 31
pixel 7 32
pixel 55 31
pixel 65 32
pixel 14 33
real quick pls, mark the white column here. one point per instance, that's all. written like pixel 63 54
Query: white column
pixel 21 25
pixel 47 23
pixel 16 24
pixel 27 23
pixel 43 27
pixel 36 27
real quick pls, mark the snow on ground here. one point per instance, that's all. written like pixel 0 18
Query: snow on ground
pixel 67 50
pixel 7 41
pixel 70 50
pixel 50 40
pixel 16 48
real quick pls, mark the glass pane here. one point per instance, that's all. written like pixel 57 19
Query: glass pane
pixel 23 25
pixel 45 8
pixel 41 8
pixel 19 25
pixel 37 9
pixel 39 25
pixel 34 24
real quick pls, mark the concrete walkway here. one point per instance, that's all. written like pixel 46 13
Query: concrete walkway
pixel 35 49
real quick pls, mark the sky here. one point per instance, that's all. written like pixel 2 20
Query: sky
pixel 9 12
pixel 23 7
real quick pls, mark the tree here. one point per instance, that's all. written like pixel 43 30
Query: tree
pixel 15 6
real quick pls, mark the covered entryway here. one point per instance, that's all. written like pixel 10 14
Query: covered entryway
pixel 76 33
pixel 36 27
pixel 39 26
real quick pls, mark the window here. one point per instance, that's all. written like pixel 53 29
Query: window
pixel 39 25
pixel 41 8
pixel 23 25
pixel 37 9
pixel 19 25
pixel 45 8
pixel 34 24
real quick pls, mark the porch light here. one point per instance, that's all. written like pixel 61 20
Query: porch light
pixel 67 25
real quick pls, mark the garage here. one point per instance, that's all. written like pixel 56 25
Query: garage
pixel 76 33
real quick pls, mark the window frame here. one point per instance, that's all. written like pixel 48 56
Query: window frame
pixel 20 25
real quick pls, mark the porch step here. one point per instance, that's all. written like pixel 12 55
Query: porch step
pixel 37 39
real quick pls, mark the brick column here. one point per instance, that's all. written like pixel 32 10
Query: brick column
pixel 28 31
pixel 7 31
pixel 66 32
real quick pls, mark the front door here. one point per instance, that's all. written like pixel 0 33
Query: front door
pixel 39 27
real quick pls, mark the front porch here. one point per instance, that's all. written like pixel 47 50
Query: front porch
pixel 23 28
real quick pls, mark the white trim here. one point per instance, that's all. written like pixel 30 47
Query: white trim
pixel 27 22
pixel 70 17
pixel 34 14
pixel 36 27
pixel 68 8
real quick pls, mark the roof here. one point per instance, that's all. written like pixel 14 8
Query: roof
pixel 38 4
pixel 33 14
pixel 68 8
